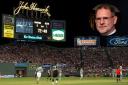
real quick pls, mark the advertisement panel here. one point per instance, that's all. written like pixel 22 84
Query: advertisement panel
pixel 58 34
pixel 87 41
pixel 117 41
pixel 8 26
pixel 58 30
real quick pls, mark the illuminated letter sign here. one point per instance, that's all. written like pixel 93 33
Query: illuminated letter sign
pixel 33 6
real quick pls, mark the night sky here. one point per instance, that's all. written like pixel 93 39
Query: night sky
pixel 76 14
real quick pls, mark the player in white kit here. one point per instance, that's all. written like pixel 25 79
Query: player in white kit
pixel 81 73
pixel 121 75
pixel 38 72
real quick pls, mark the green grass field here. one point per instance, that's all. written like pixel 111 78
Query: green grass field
pixel 64 81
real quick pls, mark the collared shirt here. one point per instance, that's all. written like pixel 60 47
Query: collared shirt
pixel 114 31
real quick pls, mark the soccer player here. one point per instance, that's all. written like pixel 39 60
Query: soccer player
pixel 38 72
pixel 121 75
pixel 60 73
pixel 0 74
pixel 118 72
pixel 49 73
pixel 81 73
pixel 55 74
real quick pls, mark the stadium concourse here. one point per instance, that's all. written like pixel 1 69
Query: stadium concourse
pixel 96 61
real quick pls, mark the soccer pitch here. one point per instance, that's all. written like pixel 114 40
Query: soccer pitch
pixel 64 81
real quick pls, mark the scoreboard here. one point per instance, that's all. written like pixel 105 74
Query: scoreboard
pixel 32 29
pixel 21 28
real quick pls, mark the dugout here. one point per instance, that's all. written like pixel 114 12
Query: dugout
pixel 21 69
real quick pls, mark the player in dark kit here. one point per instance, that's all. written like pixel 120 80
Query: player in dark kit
pixel 55 75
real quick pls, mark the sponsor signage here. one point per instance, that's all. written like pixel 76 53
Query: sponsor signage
pixel 87 41
pixel 117 41
pixel 7 76
pixel 58 30
pixel 8 26
pixel 36 37
pixel 58 35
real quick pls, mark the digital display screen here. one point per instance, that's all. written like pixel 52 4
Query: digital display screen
pixel 24 25
pixel 32 29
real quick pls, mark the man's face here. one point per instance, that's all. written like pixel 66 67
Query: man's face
pixel 105 21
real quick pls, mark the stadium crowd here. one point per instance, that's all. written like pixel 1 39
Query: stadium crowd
pixel 96 61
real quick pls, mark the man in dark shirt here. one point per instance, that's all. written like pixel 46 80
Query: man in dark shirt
pixel 105 19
